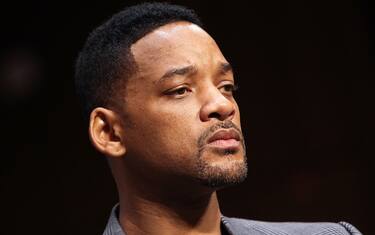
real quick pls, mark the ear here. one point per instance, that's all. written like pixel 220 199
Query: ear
pixel 105 131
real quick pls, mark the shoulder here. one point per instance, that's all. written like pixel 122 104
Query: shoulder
pixel 242 226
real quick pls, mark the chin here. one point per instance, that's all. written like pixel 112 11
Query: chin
pixel 224 169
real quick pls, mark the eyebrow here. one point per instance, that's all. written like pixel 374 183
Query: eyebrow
pixel 225 67
pixel 181 71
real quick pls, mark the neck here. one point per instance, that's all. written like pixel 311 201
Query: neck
pixel 145 209
pixel 142 216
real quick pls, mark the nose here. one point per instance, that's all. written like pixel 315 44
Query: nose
pixel 217 106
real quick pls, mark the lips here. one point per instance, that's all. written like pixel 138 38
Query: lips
pixel 225 139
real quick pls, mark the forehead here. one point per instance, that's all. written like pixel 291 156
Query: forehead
pixel 175 44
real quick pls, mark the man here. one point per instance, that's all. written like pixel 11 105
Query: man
pixel 158 94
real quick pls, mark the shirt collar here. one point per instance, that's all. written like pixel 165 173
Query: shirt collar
pixel 114 228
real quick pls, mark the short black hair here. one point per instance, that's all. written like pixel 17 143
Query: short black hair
pixel 106 58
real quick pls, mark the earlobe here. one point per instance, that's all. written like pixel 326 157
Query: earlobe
pixel 105 132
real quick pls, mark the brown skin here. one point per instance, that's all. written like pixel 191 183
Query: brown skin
pixel 156 151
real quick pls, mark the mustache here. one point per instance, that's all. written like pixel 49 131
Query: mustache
pixel 221 125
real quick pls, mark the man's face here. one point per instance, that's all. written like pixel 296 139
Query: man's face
pixel 181 120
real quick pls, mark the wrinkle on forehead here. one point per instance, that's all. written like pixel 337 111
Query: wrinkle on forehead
pixel 170 35
pixel 174 44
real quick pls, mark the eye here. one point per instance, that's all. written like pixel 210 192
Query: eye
pixel 178 93
pixel 229 88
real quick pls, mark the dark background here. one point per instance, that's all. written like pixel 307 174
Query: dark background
pixel 306 76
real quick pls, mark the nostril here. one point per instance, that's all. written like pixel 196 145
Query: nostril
pixel 232 113
pixel 214 115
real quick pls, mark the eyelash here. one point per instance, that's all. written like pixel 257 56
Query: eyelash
pixel 176 92
pixel 232 88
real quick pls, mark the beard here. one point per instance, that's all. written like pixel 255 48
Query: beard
pixel 230 171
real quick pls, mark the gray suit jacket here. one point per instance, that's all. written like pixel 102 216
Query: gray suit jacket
pixel 237 226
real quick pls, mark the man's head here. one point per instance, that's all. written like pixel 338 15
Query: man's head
pixel 161 100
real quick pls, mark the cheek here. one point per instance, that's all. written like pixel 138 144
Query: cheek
pixel 170 132
pixel 176 128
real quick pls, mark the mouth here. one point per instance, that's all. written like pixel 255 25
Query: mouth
pixel 225 139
